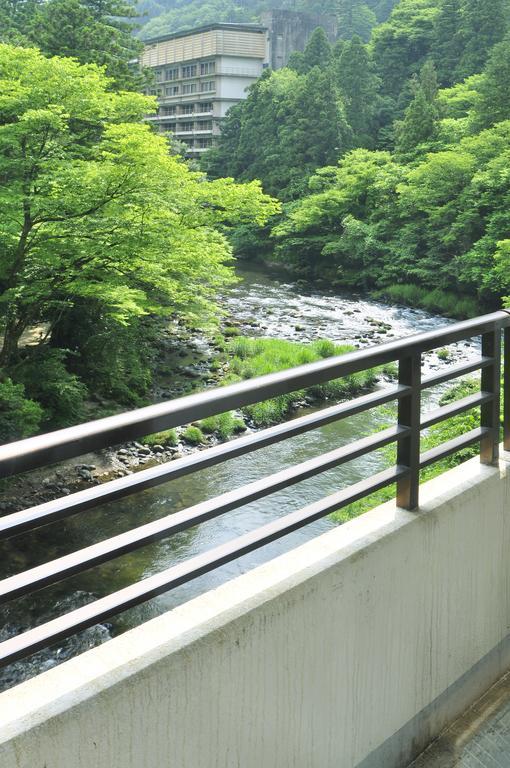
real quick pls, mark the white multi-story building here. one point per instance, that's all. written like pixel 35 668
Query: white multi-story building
pixel 200 74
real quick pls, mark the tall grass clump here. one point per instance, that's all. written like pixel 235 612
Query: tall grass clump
pixel 224 425
pixel 258 357
pixel 445 303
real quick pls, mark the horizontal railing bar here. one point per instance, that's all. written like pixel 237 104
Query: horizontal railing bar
pixel 454 408
pixel 57 629
pixel 109 549
pixel 57 509
pixel 452 446
pixel 455 372
pixel 74 441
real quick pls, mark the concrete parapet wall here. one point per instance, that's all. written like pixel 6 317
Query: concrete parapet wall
pixel 352 650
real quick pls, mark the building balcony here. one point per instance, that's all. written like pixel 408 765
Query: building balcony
pixel 353 650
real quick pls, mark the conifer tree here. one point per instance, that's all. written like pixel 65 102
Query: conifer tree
pixel 15 18
pixel 92 31
pixel 483 24
pixel 494 103
pixel 355 18
pixel 318 50
pixel 447 46
pixel 358 86
pixel 419 123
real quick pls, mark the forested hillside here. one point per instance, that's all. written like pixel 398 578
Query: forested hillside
pixel 392 156
pixel 164 16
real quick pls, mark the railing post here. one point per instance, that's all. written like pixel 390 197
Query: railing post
pixel 491 382
pixel 408 449
pixel 506 391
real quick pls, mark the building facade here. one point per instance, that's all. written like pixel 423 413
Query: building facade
pixel 201 73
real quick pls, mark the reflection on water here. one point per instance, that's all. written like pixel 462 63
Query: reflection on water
pixel 285 311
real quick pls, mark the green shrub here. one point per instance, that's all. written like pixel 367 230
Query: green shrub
pixel 19 416
pixel 444 354
pixel 167 438
pixel 115 361
pixel 47 380
pixel 193 436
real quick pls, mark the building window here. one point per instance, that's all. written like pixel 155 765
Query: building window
pixel 205 126
pixel 187 109
pixel 186 127
pixel 207 68
pixel 189 71
pixel 209 85
pixel 159 75
pixel 189 88
pixel 204 143
pixel 205 106
pixel 172 90
pixel 171 74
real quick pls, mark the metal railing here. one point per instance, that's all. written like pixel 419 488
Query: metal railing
pixel 64 444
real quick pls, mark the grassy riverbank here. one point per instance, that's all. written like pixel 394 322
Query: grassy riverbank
pixel 445 303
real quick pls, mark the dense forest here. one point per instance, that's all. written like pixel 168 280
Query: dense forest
pixel 391 157
pixel 163 16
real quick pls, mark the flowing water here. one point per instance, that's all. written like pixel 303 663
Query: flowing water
pixel 268 305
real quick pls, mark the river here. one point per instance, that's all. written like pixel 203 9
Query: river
pixel 282 309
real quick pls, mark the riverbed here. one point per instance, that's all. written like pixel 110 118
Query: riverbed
pixel 261 304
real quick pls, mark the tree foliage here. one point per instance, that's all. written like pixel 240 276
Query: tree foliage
pixel 98 214
pixel 355 17
pixel 287 127
pixel 434 216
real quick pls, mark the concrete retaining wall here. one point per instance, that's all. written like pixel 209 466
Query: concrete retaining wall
pixel 352 650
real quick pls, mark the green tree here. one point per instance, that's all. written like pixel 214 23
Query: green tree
pixel 447 45
pixel 358 87
pixel 15 19
pixel 288 126
pixel 355 18
pixel 338 231
pixel 494 103
pixel 420 119
pixel 403 43
pixel 317 52
pixel 315 134
pixel 483 24
pixel 95 209
pixel 92 31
